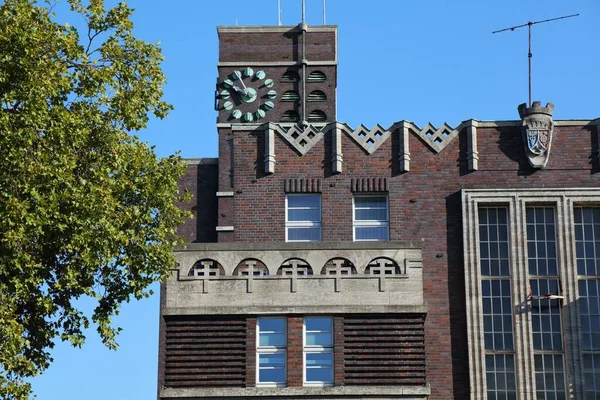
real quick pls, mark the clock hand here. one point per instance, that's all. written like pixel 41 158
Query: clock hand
pixel 244 85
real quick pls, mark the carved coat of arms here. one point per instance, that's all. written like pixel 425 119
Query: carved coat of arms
pixel 537 127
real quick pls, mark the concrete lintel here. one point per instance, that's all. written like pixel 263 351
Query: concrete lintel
pixel 225 228
pixel 248 246
pixel 225 194
pixel 270 28
pixel 327 63
pixel 280 310
pixel 394 392
pixel 203 161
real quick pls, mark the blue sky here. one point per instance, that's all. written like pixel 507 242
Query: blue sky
pixel 423 61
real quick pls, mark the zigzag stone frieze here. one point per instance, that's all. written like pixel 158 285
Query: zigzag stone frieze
pixel 436 138
pixel 303 138
pixel 368 139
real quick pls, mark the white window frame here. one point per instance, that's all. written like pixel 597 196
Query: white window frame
pixel 564 202
pixel 317 350
pixel 372 223
pixel 271 350
pixel 303 224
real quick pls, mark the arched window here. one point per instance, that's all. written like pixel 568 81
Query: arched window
pixel 206 267
pixel 338 266
pixel 383 266
pixel 251 266
pixel 301 267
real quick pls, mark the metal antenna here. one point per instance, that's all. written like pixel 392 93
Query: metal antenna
pixel 279 12
pixel 528 25
pixel 324 15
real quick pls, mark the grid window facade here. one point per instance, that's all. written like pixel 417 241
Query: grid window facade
pixel 587 249
pixel 497 303
pixel 371 218
pixel 271 352
pixel 553 267
pixel 545 313
pixel 303 218
pixel 318 351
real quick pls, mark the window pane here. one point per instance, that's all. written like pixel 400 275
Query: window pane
pixel 271 324
pixel 371 218
pixel 310 215
pixel 311 201
pixel 318 339
pixel 324 375
pixel 271 375
pixel 370 201
pixel 304 234
pixel 373 214
pixel 372 233
pixel 271 360
pixel 319 359
pixel 318 323
pixel 272 339
pixel 501 382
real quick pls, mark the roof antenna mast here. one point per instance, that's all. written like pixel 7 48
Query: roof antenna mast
pixel 529 25
pixel 279 12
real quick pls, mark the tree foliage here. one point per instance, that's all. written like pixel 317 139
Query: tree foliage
pixel 86 208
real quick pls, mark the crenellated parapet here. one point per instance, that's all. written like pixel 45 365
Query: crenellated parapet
pixel 302 139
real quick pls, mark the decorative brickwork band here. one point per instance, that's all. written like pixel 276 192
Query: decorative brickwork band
pixel 199 350
pixel 302 185
pixel 384 350
pixel 368 185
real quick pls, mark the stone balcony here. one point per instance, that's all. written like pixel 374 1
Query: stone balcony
pixel 277 278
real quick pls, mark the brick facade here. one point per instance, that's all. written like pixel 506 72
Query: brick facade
pixel 424 209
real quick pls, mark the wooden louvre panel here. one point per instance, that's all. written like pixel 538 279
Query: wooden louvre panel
pixel 205 352
pixel 384 350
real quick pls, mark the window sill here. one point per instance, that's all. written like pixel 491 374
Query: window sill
pixel 401 392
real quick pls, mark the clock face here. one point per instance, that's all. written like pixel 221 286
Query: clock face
pixel 247 95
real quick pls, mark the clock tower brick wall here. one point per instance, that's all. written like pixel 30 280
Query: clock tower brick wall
pixel 278 52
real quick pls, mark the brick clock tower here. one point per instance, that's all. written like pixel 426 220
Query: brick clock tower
pixel 331 262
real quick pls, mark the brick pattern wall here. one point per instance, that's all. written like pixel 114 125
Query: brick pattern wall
pixel 384 350
pixel 338 351
pixel 205 352
pixel 251 352
pixel 424 208
pixel 295 361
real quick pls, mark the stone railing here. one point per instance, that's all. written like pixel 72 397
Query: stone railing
pixel 226 278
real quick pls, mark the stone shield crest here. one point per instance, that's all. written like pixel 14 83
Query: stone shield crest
pixel 537 127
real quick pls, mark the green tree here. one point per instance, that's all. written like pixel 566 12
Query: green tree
pixel 86 209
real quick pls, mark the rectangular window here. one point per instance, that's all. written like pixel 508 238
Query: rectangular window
pixel 318 351
pixel 303 218
pixel 546 314
pixel 371 217
pixel 587 238
pixel 497 304
pixel 271 352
